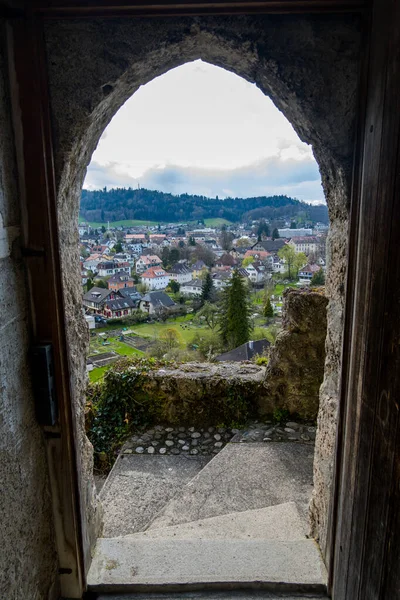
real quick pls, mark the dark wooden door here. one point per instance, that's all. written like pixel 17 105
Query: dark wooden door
pixel 367 548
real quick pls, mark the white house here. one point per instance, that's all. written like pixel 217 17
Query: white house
pixel 305 244
pixel 181 273
pixel 290 233
pixel 256 273
pixel 155 278
pixel 110 268
pixel 306 273
pixel 147 261
pixel 192 288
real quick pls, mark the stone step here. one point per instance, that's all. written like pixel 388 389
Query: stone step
pixel 210 595
pixel 138 487
pixel 281 522
pixel 244 477
pixel 128 565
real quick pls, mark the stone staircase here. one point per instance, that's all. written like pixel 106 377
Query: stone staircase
pixel 234 523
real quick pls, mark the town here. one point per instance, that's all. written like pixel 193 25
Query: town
pixel 158 289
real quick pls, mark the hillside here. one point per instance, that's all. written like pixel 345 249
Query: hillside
pixel 123 204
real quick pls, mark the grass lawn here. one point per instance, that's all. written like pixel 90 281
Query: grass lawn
pixel 278 289
pixel 181 325
pixel 126 223
pixel 216 222
pixel 96 347
pixel 97 374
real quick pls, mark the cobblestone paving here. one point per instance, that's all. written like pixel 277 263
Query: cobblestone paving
pixel 208 441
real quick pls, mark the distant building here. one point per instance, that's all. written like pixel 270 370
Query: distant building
pixel 192 288
pixel 155 278
pixel 272 246
pixel 246 351
pixel 290 233
pixel 108 268
pixel 120 281
pixel 146 261
pixel 306 273
pixel 154 302
pixel 180 273
pixel 305 244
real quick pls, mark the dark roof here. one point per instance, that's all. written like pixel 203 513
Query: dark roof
pixel 198 265
pixel 120 277
pixel 243 272
pixel 227 260
pixel 160 299
pixel 121 303
pixel 244 352
pixel 180 268
pixel 107 265
pixel 97 294
pixel 130 292
pixel 271 245
pixel 193 283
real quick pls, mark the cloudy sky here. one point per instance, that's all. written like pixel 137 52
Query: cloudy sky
pixel 202 130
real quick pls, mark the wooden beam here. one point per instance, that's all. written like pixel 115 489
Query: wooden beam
pixel 91 8
pixel 31 116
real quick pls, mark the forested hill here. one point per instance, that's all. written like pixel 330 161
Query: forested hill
pixel 121 203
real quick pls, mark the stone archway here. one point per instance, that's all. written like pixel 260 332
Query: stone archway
pixel 309 68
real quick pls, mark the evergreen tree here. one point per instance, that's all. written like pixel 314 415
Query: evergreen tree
pixel 174 286
pixel 118 247
pixel 318 278
pixel 235 325
pixel 207 290
pixel 275 234
pixel 268 309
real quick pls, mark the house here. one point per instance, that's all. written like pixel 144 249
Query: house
pixel 257 254
pixel 118 307
pixel 95 298
pixel 305 244
pixel 155 302
pixel 192 288
pixel 221 280
pixel 198 269
pixel 246 351
pixel 132 293
pixel 180 273
pixel 120 281
pixel 291 233
pixel 135 238
pixel 226 260
pixel 272 246
pixel 107 268
pixel 306 273
pixel 146 261
pixel 256 272
pixel 90 264
pixel 155 278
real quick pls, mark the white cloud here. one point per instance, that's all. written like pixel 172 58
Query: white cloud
pixel 201 129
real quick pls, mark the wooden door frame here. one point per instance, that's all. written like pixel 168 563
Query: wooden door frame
pixel 32 123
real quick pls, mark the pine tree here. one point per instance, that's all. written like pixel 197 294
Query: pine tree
pixel 235 325
pixel 207 290
pixel 268 309
pixel 275 234
pixel 318 278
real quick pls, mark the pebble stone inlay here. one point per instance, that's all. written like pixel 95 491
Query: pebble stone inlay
pixel 192 441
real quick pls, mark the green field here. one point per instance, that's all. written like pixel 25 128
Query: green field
pixel 112 345
pixel 127 223
pixel 216 222
pixel 97 374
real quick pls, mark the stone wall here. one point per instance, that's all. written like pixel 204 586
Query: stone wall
pixel 28 562
pixel 307 65
pixel 296 367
